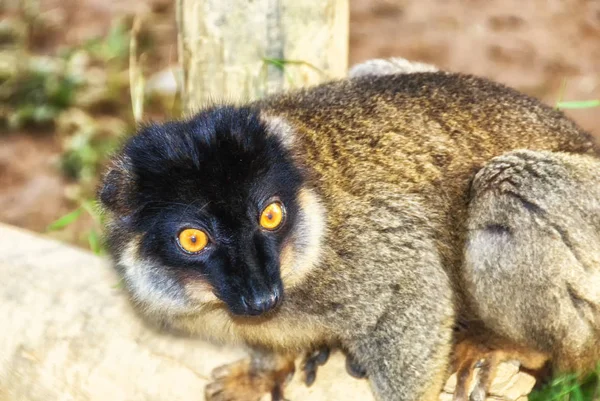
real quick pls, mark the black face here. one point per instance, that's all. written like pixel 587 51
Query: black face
pixel 214 174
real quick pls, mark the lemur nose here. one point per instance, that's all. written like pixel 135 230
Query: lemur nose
pixel 262 302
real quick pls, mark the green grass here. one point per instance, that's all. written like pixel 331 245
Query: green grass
pixel 93 236
pixel 79 94
pixel 578 104
pixel 38 92
pixel 88 96
pixel 570 388
pixel 574 104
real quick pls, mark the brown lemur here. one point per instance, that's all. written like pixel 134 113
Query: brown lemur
pixel 375 214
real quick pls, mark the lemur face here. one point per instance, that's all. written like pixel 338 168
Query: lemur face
pixel 211 209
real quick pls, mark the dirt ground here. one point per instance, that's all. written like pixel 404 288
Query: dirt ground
pixel 532 45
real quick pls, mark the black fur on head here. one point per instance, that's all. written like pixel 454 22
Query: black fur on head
pixel 215 171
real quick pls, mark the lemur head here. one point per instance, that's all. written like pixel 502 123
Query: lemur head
pixel 210 210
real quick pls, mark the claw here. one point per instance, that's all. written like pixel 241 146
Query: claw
pixel 311 363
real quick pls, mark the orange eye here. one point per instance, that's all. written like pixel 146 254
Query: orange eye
pixel 272 216
pixel 193 240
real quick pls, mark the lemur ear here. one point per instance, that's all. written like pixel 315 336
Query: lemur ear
pixel 117 188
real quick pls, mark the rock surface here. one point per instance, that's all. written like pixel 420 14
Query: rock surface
pixel 69 334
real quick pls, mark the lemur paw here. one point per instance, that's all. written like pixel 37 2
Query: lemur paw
pixel 311 363
pixel 469 356
pixel 354 368
pixel 242 381
pixel 478 366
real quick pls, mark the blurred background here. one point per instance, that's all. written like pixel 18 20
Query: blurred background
pixel 65 95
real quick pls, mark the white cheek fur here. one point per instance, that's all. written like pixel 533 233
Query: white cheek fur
pixel 307 238
pixel 150 287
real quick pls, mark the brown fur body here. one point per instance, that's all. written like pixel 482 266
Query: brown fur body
pixel 389 162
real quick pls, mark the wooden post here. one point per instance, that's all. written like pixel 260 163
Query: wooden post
pixel 238 50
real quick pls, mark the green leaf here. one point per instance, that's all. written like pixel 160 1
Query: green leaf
pixel 65 220
pixel 94 242
pixel 580 104
pixel 275 62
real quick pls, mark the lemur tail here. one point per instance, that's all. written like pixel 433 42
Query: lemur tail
pixel 393 65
